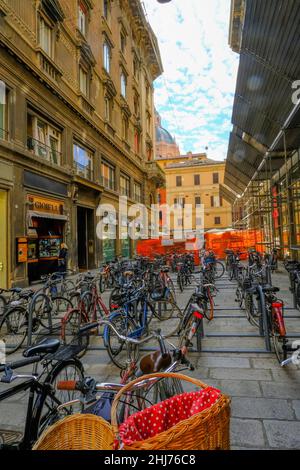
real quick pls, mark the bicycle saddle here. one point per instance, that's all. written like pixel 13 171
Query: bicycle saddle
pixel 26 294
pixel 268 288
pixel 16 290
pixel 155 362
pixel 46 346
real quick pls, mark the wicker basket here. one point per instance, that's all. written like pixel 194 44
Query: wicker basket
pixel 207 430
pixel 77 432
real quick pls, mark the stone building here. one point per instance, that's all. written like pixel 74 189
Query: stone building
pixel 76 128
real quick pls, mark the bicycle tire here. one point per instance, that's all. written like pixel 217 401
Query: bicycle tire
pixel 102 284
pixel 70 328
pixel 124 325
pixel 60 371
pixel 13 330
pixel 187 329
pixel 219 272
pixel 3 305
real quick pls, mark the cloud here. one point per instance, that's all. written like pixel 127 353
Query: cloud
pixel 195 94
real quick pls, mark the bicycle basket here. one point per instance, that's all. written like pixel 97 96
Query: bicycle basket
pixel 190 421
pixel 77 432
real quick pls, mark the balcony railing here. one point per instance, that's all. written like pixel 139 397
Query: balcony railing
pixel 44 151
pixel 85 171
pixel 3 134
pixel 108 184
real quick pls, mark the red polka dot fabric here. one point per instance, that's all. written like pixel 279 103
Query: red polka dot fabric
pixel 161 417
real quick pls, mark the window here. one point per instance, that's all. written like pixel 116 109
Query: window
pixel 106 56
pixel 215 178
pixel 197 180
pixel 137 192
pixel 122 42
pixel 217 220
pixel 83 161
pixel 215 201
pixel 125 185
pixel 108 105
pixel 178 180
pixel 43 139
pixel 125 126
pixel 198 222
pixel 108 174
pixel 135 67
pixel 106 9
pixel 83 81
pixel 4 94
pixel 197 200
pixel 136 105
pixel 123 84
pixel 137 141
pixel 45 36
pixel 82 18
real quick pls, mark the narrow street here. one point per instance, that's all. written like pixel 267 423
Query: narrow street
pixel 265 397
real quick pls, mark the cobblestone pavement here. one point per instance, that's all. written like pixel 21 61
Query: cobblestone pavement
pixel 265 397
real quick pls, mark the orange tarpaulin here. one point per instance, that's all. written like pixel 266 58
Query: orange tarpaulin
pixel 240 240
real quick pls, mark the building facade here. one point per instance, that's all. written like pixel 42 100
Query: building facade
pixel 76 128
pixel 195 179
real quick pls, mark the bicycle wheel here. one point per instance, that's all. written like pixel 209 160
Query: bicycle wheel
pixel 3 304
pixel 87 303
pixel 118 350
pixel 67 288
pixel 279 343
pixel 219 269
pixel 14 328
pixel 102 284
pixel 252 309
pixel 46 410
pixel 71 324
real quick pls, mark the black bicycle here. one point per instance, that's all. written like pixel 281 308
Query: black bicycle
pixel 58 363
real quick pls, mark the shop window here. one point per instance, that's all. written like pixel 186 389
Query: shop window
pixel 45 36
pixel 83 161
pixel 108 174
pixel 43 139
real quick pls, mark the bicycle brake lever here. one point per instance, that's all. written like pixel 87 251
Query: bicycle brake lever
pixel 8 373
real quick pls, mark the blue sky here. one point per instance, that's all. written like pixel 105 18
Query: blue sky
pixel 195 94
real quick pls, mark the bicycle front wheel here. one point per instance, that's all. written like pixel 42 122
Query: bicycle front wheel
pixel 219 269
pixel 46 410
pixel 118 350
pixel 14 328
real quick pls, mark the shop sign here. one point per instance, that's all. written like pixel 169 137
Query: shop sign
pixel 41 204
pixel 22 250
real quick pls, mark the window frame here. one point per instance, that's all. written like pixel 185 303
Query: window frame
pixel 123 84
pixel 82 72
pixel 43 26
pixel 215 178
pixel 178 178
pixel 197 180
pixel 90 155
pixel 217 218
pixel 111 180
pixel 106 56
pixel 82 8
pixel 126 187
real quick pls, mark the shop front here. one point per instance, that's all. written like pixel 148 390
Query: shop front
pixel 45 233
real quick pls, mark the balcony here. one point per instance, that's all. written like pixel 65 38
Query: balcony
pixel 48 66
pixel 44 151
pixel 156 174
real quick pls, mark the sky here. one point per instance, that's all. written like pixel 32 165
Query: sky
pixel 194 96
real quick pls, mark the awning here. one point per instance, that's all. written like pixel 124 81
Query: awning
pixel 46 215
pixel 227 193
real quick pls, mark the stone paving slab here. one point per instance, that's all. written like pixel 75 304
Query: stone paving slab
pixel 261 408
pixel 241 374
pixel 296 406
pixel 283 434
pixel 280 390
pixel 247 432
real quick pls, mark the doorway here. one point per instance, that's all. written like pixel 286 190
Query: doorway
pixel 85 238
pixel 3 240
